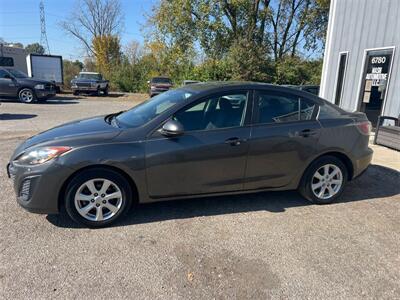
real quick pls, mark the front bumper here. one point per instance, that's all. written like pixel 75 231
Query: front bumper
pixel 157 91
pixel 38 187
pixel 45 93
pixel 84 88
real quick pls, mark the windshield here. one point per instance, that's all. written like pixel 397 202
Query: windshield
pixel 161 80
pixel 90 76
pixel 148 110
pixel 17 74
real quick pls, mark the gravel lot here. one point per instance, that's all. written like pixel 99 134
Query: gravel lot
pixel 260 246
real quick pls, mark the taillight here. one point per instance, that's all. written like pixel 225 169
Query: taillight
pixel 364 127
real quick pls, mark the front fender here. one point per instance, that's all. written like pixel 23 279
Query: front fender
pixel 128 157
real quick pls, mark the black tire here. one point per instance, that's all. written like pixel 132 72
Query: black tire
pixel 90 174
pixel 75 93
pixel 305 187
pixel 105 91
pixel 26 95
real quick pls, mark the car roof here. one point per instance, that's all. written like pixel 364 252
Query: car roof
pixel 223 85
pixel 217 86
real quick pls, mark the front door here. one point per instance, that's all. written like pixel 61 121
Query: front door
pixel 375 83
pixel 283 138
pixel 210 156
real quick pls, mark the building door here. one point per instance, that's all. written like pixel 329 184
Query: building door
pixel 375 83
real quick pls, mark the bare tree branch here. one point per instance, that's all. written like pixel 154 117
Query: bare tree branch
pixel 94 18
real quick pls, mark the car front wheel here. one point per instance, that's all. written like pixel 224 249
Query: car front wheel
pixel 324 180
pixel 26 95
pixel 98 197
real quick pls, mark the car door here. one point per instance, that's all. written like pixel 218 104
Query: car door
pixel 8 86
pixel 283 138
pixel 210 156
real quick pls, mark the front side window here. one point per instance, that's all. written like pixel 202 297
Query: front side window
pixel 282 107
pixel 215 112
pixel 17 74
pixel 4 74
pixel 148 110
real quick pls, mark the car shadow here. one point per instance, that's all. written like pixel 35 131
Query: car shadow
pixel 4 117
pixel 377 182
pixel 59 99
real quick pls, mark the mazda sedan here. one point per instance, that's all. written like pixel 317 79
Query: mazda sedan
pixel 200 140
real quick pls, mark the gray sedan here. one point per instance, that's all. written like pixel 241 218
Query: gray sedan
pixel 200 140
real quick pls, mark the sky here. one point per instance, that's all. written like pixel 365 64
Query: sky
pixel 20 22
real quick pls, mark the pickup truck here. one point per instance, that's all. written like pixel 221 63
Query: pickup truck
pixel 89 82
pixel 14 83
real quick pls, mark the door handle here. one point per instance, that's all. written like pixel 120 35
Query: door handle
pixel 234 141
pixel 306 133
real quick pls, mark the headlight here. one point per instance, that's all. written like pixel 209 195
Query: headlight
pixel 39 87
pixel 152 87
pixel 41 155
pixel 94 84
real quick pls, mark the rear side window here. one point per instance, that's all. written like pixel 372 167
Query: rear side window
pixel 276 107
pixel 327 111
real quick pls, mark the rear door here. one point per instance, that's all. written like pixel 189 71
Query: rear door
pixel 210 156
pixel 283 138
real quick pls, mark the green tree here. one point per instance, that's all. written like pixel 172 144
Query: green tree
pixel 70 70
pixel 35 48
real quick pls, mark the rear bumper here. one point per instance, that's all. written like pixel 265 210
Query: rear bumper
pixel 361 164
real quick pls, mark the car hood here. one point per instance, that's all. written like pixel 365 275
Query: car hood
pixel 84 80
pixel 76 133
pixel 33 81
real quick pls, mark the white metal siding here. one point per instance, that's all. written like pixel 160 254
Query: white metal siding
pixel 354 26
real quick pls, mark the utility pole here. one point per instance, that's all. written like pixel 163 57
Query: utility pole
pixel 43 34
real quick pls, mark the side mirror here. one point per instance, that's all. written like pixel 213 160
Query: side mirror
pixel 172 128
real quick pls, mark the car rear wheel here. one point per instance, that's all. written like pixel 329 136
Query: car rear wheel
pixel 75 93
pixel 324 180
pixel 98 197
pixel 26 95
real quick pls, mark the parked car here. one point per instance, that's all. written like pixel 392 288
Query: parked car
pixel 14 83
pixel 158 85
pixel 195 141
pixel 89 82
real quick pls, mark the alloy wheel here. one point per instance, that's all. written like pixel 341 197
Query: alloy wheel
pixel 26 96
pixel 327 181
pixel 98 199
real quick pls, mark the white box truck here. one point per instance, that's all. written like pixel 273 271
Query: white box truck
pixel 13 57
pixel 46 67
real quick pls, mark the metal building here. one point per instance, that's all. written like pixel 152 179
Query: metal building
pixel 361 69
